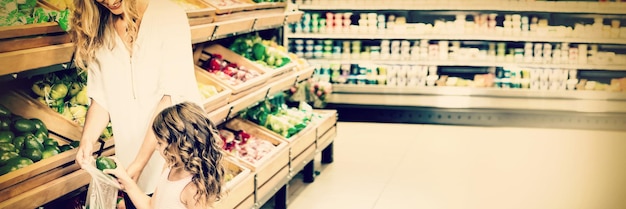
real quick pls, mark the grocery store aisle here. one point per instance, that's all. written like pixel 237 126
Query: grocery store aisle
pixel 392 166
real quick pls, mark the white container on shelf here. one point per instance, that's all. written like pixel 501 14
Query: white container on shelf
pixel 432 70
pixel 431 80
pixel 401 81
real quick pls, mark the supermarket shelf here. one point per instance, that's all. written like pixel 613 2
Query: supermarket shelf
pixel 480 103
pixel 244 24
pixel 493 5
pixel 57 56
pixel 232 109
pixel 470 63
pixel 473 37
pixel 28 59
pixel 480 92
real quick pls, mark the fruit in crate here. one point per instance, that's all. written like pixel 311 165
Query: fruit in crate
pixel 207 91
pixel 264 52
pixel 24 12
pixel 66 93
pixel 275 115
pixel 23 141
pixel 245 146
pixel 229 72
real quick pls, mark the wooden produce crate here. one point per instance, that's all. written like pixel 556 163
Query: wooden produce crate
pixel 241 89
pixel 21 104
pixel 270 20
pixel 223 8
pixel 49 191
pixel 216 101
pixel 247 203
pixel 325 139
pixel 326 128
pixel 300 160
pixel 238 189
pixel 281 72
pixel 240 25
pixel 66 128
pixel 294 17
pixel 305 73
pixel 22 60
pixel 273 167
pixel 19 37
pixel 202 33
pixel 268 5
pixel 253 14
pixel 282 83
pixel 24 181
pixel 198 12
pixel 219 115
pixel 298 142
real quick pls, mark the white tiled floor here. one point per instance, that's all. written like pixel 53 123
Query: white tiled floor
pixel 394 166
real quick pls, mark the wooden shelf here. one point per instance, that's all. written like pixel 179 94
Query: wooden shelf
pixel 28 59
pixel 244 22
pixel 473 5
pixel 16 62
pixel 410 35
pixel 471 63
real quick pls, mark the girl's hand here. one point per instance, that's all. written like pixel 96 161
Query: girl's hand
pixel 120 173
pixel 84 155
pixel 134 171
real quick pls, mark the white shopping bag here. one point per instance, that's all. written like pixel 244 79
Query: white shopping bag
pixel 102 192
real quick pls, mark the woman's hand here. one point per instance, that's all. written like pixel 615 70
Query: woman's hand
pixel 120 173
pixel 84 155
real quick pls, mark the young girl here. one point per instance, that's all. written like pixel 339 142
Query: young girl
pixel 194 175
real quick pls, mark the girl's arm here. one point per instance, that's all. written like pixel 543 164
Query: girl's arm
pixel 96 120
pixel 149 142
pixel 137 196
pixel 187 197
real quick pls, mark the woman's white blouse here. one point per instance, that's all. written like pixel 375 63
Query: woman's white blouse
pixel 131 87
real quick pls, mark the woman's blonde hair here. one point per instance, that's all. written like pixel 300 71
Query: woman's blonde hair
pixel 194 144
pixel 92 26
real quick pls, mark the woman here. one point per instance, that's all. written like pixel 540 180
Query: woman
pixel 139 60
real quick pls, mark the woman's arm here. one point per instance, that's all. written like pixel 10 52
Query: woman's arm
pixel 149 142
pixel 96 120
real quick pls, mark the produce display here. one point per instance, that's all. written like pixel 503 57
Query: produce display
pixel 227 3
pixel 62 4
pixel 261 1
pixel 207 91
pixel 265 52
pixel 25 141
pixel 244 145
pixel 103 162
pixel 23 12
pixel 186 5
pixel 66 92
pixel 275 115
pixel 230 72
pixel 229 175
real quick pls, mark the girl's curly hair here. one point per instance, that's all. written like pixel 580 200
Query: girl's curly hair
pixel 193 143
